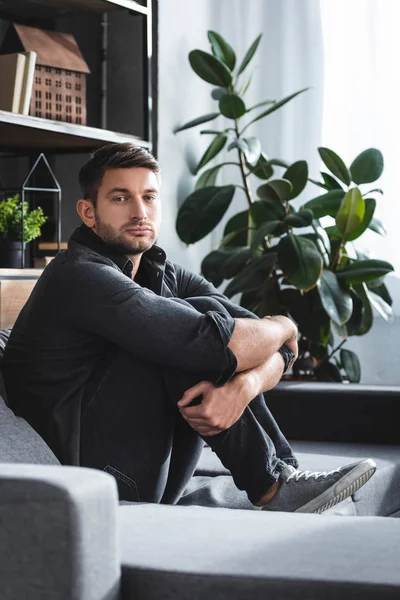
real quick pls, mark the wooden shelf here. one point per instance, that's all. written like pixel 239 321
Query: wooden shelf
pixel 24 133
pixel 46 8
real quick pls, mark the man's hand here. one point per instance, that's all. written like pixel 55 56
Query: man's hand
pixel 220 407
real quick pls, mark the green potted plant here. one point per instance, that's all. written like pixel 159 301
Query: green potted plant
pixel 12 242
pixel 280 259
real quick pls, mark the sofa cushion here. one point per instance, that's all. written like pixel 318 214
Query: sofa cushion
pixel 19 442
pixel 196 553
pixel 212 486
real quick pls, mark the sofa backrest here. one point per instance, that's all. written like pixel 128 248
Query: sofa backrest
pixel 19 442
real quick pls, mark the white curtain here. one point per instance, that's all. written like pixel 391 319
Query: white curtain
pixel 361 99
pixel 361 92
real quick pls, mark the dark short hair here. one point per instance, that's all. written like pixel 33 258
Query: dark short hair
pixel 112 156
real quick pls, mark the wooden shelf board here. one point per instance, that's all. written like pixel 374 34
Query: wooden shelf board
pixel 25 133
pixel 46 8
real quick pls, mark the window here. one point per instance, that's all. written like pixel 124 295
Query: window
pixel 78 87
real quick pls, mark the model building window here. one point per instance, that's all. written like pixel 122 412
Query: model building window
pixel 38 80
pixel 48 95
pixel 78 87
pixel 38 68
pixel 78 100
pixel 48 115
pixel 38 104
pixel 58 71
pixel 48 82
pixel 78 120
pixel 68 85
pixel 38 113
pixel 58 83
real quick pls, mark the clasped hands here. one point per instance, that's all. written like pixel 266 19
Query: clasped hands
pixel 221 407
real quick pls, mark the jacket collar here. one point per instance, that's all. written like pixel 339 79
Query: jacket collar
pixel 87 237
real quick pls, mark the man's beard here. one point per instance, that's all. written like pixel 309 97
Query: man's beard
pixel 116 239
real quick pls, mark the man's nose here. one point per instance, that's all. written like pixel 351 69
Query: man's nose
pixel 138 210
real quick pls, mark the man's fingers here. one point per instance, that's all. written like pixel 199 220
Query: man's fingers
pixel 197 390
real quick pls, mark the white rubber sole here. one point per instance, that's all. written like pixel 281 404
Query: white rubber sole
pixel 345 487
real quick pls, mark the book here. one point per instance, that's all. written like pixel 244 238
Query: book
pixel 27 83
pixel 12 70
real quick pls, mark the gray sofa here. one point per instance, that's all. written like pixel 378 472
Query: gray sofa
pixel 64 536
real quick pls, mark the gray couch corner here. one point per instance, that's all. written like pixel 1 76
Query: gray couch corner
pixel 58 533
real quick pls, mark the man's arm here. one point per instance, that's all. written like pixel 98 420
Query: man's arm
pixel 222 407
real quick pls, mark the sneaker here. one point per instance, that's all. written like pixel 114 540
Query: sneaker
pixel 315 492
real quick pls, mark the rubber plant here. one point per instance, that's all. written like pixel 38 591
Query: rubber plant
pixel 281 259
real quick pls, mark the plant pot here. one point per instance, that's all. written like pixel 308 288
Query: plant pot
pixel 11 254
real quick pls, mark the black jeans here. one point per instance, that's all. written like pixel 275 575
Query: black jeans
pixel 131 428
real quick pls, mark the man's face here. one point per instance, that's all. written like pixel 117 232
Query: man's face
pixel 128 212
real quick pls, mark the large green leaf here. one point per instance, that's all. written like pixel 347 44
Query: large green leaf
pixel 198 121
pixel 326 204
pixel 297 174
pixel 309 314
pixel 254 150
pixel 252 276
pixel 266 211
pixel 336 301
pixel 335 164
pixel 224 263
pixel 351 213
pixel 249 54
pixel 300 261
pixel 251 148
pixel 202 211
pixel 275 189
pixel 367 167
pixel 263 230
pixel 365 270
pixel 330 182
pixel 382 307
pixel 270 302
pixel 222 50
pixel 235 232
pixel 263 169
pixel 209 177
pixel 210 68
pixel 362 318
pixel 213 149
pixel 328 371
pixel 275 107
pixel 370 205
pixel 351 365
pixel 303 218
pixel 381 290
pixel 232 106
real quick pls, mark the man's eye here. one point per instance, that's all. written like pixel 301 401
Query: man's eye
pixel 119 199
pixel 149 198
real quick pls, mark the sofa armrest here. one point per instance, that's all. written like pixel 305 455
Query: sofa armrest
pixel 58 533
pixel 337 412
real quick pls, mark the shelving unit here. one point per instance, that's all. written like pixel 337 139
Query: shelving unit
pixel 19 133
pixel 115 37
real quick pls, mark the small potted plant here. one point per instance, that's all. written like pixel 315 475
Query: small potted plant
pixel 12 242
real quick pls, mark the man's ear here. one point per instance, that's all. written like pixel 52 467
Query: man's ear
pixel 85 210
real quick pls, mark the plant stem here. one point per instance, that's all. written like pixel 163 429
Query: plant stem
pixel 336 349
pixel 249 194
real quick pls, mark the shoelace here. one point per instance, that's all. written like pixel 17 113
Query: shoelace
pixel 311 474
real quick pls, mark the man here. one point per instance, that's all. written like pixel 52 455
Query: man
pixel 130 363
